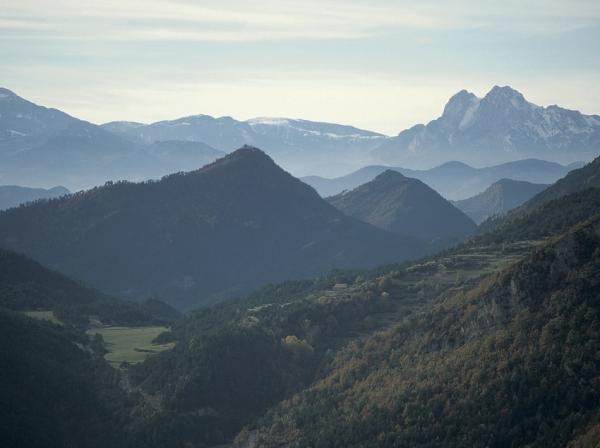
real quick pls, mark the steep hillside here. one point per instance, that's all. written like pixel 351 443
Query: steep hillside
pixel 284 337
pixel 499 127
pixel 27 286
pixel 546 220
pixel 577 181
pixel 404 206
pixel 197 237
pixel 510 362
pixel 580 179
pixel 498 199
pixel 20 118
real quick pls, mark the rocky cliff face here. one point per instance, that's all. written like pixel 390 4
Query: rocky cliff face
pixel 502 126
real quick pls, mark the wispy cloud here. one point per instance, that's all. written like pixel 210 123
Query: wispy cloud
pixel 228 21
pixel 239 20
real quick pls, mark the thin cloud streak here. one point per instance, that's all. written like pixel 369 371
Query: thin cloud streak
pixel 235 21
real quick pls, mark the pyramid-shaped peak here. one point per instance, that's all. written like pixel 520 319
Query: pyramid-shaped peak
pixel 250 152
pixel 248 157
pixel 390 176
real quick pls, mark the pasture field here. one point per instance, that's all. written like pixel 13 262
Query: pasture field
pixel 43 315
pixel 130 344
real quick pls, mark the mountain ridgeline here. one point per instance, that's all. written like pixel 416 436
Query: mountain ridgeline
pixel 500 127
pixel 194 238
pixel 453 180
pixel 306 146
pixel 580 185
pixel 405 206
pixel 498 199
pixel 43 147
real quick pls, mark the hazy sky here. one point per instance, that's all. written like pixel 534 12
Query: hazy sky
pixel 378 64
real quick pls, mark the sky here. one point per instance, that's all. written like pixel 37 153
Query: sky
pixel 381 65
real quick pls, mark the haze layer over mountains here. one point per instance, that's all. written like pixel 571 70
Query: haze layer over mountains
pixel 44 147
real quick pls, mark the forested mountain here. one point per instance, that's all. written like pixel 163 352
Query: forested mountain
pixel 405 206
pixel 577 181
pixel 500 127
pixel 510 362
pixel 25 285
pixel 453 180
pixel 13 195
pixel 583 178
pixel 194 238
pixel 498 199
pixel 545 220
pixel 317 336
pixel 490 343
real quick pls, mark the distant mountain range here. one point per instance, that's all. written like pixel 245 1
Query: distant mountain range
pixel 194 238
pixel 299 144
pixel 43 147
pixel 404 206
pixel 498 198
pixel 453 180
pixel 500 127
pixel 13 195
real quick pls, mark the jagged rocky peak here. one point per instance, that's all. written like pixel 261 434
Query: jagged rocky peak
pixel 460 108
pixel 506 96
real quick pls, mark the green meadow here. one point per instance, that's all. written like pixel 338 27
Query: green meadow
pixel 130 344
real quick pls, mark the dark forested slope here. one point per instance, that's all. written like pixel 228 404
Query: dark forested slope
pixel 25 285
pixel 196 237
pixel 56 390
pixel 510 362
pixel 404 206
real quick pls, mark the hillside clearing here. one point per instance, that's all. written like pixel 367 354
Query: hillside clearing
pixel 130 344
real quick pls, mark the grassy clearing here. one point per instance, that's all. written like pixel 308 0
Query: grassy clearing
pixel 130 344
pixel 43 315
